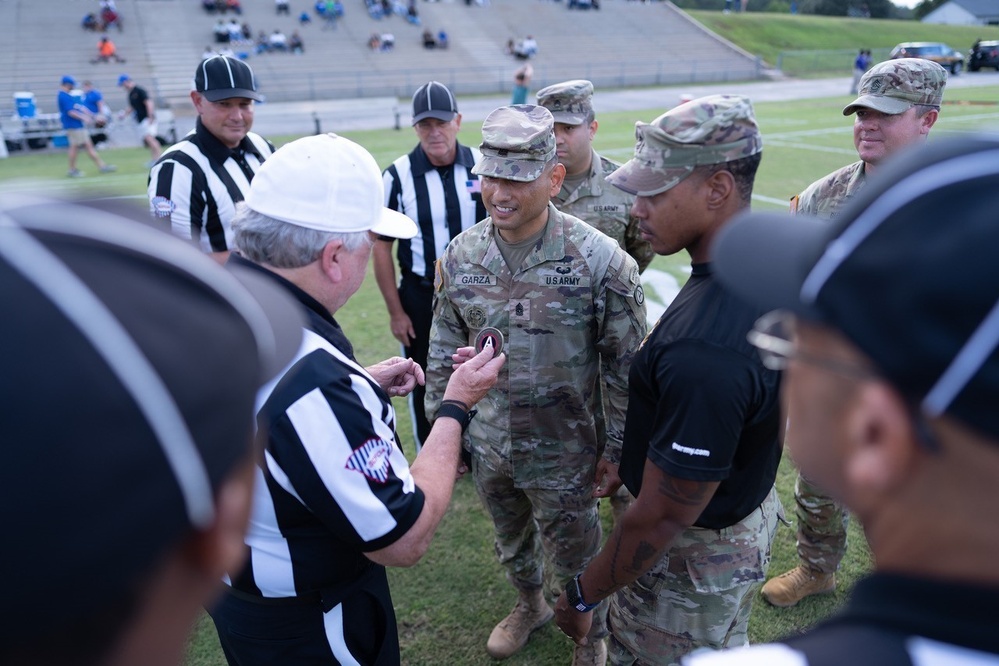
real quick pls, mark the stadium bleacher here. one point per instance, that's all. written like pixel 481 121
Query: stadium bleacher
pixel 625 43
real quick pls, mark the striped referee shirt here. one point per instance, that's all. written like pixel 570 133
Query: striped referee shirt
pixel 198 181
pixel 333 484
pixel 443 201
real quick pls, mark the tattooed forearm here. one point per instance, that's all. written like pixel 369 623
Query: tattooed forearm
pixel 616 550
pixel 683 492
pixel 644 552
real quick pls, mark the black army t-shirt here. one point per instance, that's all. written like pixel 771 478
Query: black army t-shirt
pixel 701 406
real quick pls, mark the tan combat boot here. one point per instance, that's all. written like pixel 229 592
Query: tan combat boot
pixel 530 613
pixel 789 588
pixel 594 654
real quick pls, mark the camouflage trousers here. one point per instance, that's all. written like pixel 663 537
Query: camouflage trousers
pixel 543 537
pixel 822 526
pixel 698 595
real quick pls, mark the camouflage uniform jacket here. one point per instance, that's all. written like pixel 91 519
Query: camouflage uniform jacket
pixel 825 196
pixel 600 204
pixel 572 315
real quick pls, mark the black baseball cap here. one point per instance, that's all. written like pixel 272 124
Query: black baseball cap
pixel 222 77
pixel 434 100
pixel 907 271
pixel 131 367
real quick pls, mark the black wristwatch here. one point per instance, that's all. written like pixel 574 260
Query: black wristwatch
pixel 451 409
pixel 575 596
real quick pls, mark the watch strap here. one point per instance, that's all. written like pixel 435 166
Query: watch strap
pixel 574 595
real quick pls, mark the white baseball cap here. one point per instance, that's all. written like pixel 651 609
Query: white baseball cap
pixel 328 183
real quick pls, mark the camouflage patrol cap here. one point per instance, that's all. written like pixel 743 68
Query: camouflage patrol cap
pixel 893 86
pixel 517 142
pixel 709 130
pixel 569 101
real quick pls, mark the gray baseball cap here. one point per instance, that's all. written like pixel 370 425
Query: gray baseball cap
pixel 895 85
pixel 517 142
pixel 570 101
pixel 708 130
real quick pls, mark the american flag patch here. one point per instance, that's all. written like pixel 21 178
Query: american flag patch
pixel 474 186
pixel 371 459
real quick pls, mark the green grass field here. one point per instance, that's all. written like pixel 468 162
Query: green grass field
pixel 768 35
pixel 448 603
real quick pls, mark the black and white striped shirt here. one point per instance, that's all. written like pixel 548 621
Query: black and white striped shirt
pixel 198 181
pixel 333 483
pixel 443 201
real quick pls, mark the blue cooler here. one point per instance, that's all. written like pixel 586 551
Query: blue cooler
pixel 25 104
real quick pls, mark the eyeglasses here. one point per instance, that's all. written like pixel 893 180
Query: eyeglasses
pixel 774 335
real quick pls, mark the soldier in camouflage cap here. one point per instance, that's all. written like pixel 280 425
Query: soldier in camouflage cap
pixel 702 436
pixel 899 103
pixel 585 192
pixel 894 86
pixel 517 143
pixel 571 102
pixel 570 306
pixel 709 130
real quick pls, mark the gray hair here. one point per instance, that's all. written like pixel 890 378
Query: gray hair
pixel 265 240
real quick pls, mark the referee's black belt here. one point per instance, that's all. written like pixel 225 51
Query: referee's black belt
pixel 412 279
pixel 328 597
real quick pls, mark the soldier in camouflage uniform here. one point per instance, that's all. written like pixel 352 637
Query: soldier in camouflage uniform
pixel 585 192
pixel 898 105
pixel 570 306
pixel 702 436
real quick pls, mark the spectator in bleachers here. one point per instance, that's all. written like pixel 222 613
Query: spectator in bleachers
pixel 442 40
pixel 429 41
pixel 374 41
pixel 295 43
pixel 387 41
pixel 527 48
pixel 90 22
pixel 278 41
pixel 208 52
pixel 109 15
pixel 209 6
pixel 263 43
pixel 235 31
pixel 282 7
pixel 247 33
pixel 234 6
pixel 106 52
pixel 304 18
pixel 221 31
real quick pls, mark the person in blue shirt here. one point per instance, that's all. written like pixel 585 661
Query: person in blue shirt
pixel 75 116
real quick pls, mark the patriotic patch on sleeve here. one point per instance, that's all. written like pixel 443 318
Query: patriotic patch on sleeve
pixel 162 207
pixel 474 186
pixel 372 459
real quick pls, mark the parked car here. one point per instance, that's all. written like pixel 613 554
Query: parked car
pixel 983 54
pixel 940 53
